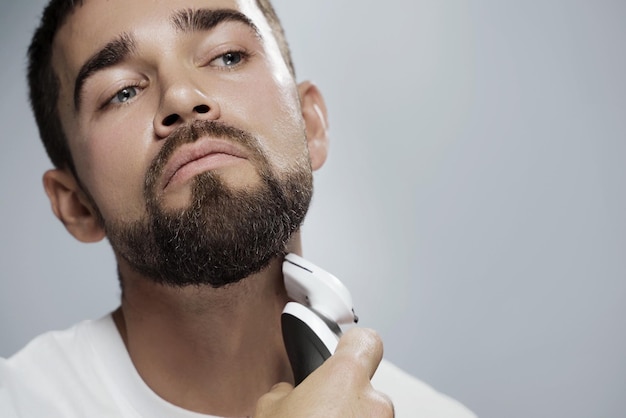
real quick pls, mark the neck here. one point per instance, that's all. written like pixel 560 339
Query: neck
pixel 208 350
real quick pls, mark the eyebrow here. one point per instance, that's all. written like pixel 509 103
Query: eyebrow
pixel 112 54
pixel 195 20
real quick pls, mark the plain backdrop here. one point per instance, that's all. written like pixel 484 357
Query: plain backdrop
pixel 473 200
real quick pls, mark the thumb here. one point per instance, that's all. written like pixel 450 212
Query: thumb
pixel 363 346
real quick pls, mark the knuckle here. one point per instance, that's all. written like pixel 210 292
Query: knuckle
pixel 382 405
pixel 264 401
pixel 268 401
pixel 281 387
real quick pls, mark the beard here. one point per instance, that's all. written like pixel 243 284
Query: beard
pixel 223 235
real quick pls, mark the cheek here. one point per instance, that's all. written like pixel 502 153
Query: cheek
pixel 115 163
pixel 272 113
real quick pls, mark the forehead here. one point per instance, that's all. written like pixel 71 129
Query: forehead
pixel 91 26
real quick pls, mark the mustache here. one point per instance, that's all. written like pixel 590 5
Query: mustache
pixel 191 132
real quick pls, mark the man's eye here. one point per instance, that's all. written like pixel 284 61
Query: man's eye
pixel 124 95
pixel 229 59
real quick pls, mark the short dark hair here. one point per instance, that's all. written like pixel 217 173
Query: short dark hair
pixel 44 83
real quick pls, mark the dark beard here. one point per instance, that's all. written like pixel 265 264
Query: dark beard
pixel 223 235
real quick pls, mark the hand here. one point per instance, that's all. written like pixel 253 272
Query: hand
pixel 338 388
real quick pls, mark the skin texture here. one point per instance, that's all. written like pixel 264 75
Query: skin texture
pixel 216 351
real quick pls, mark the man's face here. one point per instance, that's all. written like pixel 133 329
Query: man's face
pixel 175 110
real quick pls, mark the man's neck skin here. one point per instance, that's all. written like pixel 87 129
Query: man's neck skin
pixel 207 350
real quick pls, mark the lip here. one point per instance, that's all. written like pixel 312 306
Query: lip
pixel 206 153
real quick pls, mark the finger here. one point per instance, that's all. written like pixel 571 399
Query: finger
pixel 268 401
pixel 364 346
pixel 280 390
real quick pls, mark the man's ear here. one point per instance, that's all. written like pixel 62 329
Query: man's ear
pixel 316 121
pixel 71 206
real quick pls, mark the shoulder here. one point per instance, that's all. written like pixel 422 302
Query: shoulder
pixel 414 398
pixel 49 374
pixel 55 352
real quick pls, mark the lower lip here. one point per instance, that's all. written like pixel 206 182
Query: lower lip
pixel 201 165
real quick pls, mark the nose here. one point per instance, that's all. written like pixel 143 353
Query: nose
pixel 181 103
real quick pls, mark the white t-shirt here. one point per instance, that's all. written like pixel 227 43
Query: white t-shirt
pixel 85 371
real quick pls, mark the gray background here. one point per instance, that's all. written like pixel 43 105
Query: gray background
pixel 473 200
